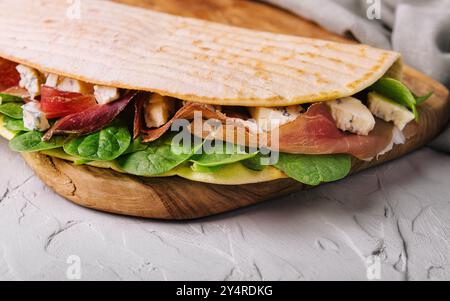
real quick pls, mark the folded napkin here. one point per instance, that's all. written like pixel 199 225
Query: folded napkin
pixel 419 29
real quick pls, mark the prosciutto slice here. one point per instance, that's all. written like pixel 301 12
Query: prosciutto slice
pixel 17 91
pixel 138 118
pixel 186 112
pixel 313 132
pixel 9 77
pixel 90 120
pixel 56 103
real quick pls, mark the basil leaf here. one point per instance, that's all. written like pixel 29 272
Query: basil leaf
pixel 160 157
pixel 9 98
pixel 105 145
pixel 14 124
pixel 12 109
pixel 32 142
pixel 314 169
pixel 224 154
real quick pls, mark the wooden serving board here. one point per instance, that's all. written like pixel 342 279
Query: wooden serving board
pixel 176 198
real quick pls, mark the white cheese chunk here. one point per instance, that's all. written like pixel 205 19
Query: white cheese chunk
pixel 352 115
pixel 68 84
pixel 30 79
pixel 52 80
pixel 389 110
pixel 104 94
pixel 33 118
pixel 271 118
pixel 158 111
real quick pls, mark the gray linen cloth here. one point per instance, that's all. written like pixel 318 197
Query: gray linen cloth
pixel 419 29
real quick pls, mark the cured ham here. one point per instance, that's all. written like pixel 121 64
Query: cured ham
pixel 17 91
pixel 9 77
pixel 138 112
pixel 56 103
pixel 91 119
pixel 314 132
pixel 186 112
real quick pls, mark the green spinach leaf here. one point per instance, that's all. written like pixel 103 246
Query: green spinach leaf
pixel 14 124
pixel 12 109
pixel 422 99
pixel 105 145
pixel 254 163
pixel 32 142
pixel 160 157
pixel 221 155
pixel 400 93
pixel 136 146
pixel 314 169
pixel 9 98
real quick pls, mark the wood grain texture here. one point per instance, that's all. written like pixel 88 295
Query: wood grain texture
pixel 178 199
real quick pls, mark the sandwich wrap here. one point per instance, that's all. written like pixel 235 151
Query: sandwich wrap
pixel 204 64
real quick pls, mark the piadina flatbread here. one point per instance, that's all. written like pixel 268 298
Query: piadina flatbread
pixel 126 47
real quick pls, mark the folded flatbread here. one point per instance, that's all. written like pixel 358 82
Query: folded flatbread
pixel 199 61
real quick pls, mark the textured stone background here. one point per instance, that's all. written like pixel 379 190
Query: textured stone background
pixel 398 214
